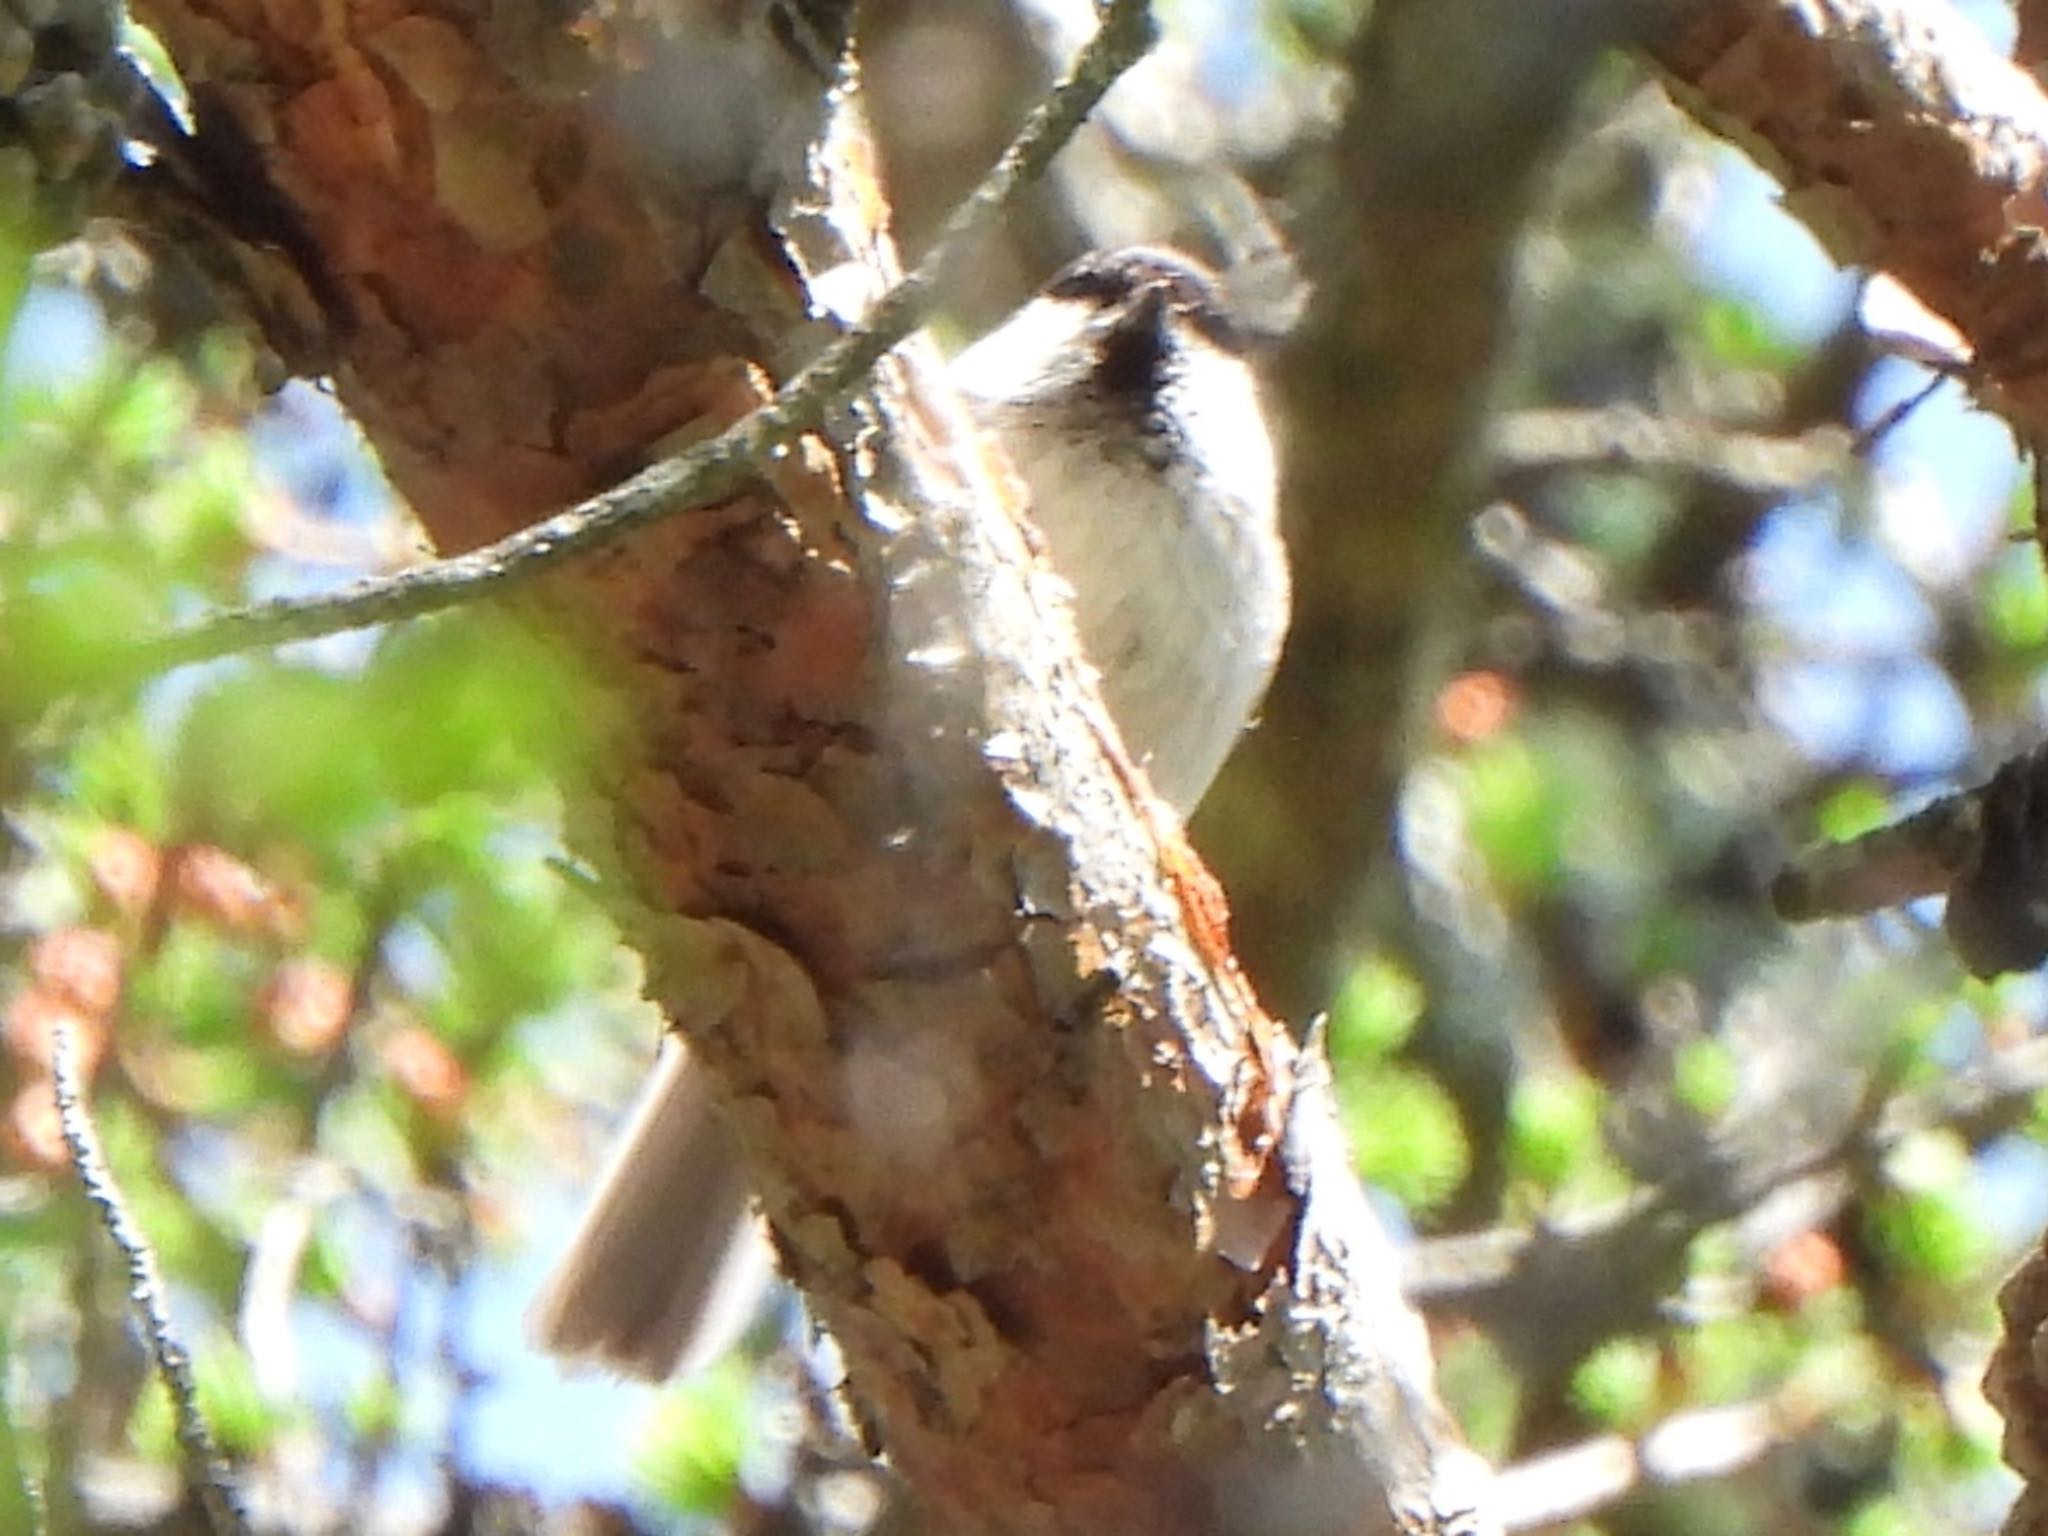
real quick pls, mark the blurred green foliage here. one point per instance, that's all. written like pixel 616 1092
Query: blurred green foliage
pixel 1617 1384
pixel 1404 1127
pixel 2016 601
pixel 303 912
pixel 687 1459
pixel 309 914
pixel 1554 1128
pixel 1584 1011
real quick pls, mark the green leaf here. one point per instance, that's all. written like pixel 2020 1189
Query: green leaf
pixel 63 614
pixel 116 774
pixel 150 413
pixel 196 985
pixel 1852 810
pixel 1553 1126
pixel 244 1422
pixel 1705 1077
pixel 1740 336
pixel 1406 1134
pixel 1727 1358
pixel 17 251
pixel 1886 1516
pixel 1617 1384
pixel 1932 1234
pixel 189 1243
pixel 283 748
pixel 1483 1390
pixel 375 1411
pixel 687 1457
pixel 1515 814
pixel 192 521
pixel 1375 1010
pixel 2016 600
pixel 475 703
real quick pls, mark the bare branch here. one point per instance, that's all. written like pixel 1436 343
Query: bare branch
pixel 1906 144
pixel 1635 440
pixel 1891 865
pixel 704 474
pixel 203 1459
pixel 1987 848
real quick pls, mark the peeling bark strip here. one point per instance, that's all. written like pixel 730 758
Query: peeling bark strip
pixel 1096 1258
pixel 1905 144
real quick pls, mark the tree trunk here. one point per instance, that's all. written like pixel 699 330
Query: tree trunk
pixel 1074 1207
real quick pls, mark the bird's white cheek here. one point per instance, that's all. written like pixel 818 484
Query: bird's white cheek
pixel 1218 400
pixel 1037 350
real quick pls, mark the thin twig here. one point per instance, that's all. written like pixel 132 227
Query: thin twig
pixel 204 1462
pixel 706 473
pixel 1894 414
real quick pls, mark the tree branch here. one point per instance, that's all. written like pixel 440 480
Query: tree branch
pixel 1634 440
pixel 701 475
pixel 1906 145
pixel 204 1462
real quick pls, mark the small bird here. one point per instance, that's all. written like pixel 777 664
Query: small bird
pixel 1124 395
